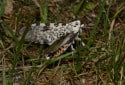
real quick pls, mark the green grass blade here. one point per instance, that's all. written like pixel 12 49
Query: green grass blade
pixel 93 33
pixel 44 11
pixel 2 6
pixel 9 31
pixel 4 75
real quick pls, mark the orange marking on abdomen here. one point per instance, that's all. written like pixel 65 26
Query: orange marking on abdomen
pixel 58 52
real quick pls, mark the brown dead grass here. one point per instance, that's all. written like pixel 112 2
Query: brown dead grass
pixel 64 72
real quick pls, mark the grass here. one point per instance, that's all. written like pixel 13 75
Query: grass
pixel 100 62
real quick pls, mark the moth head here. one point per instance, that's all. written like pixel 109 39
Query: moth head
pixel 76 25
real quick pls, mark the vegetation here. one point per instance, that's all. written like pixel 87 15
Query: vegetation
pixel 100 62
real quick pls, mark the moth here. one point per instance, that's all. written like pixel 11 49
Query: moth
pixel 58 36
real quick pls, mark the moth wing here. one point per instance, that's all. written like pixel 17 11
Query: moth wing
pixel 59 43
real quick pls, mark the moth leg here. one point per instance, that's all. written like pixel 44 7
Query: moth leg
pixel 83 44
pixel 47 58
pixel 80 31
pixel 72 48
pixel 73 42
pixel 77 38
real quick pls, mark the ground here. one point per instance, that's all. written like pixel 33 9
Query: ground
pixel 99 62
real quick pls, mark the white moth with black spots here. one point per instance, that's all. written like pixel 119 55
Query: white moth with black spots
pixel 49 33
pixel 59 36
